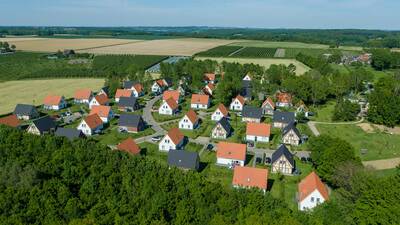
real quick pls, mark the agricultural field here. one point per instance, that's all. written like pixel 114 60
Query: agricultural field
pixel 255 52
pixel 120 63
pixel 276 44
pixel 300 67
pixel 220 51
pixel 34 91
pixel 55 44
pixel 181 47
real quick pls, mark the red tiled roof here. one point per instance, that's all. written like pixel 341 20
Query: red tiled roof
pixel 269 101
pixel 211 86
pixel 241 99
pixel 52 100
pixel 284 97
pixel 123 93
pixel 175 135
pixel 231 150
pixel 258 129
pixel 83 94
pixel 192 116
pixel 171 94
pixel 200 99
pixel 102 99
pixel 130 146
pixel 311 183
pixel 223 109
pixel 93 121
pixel 161 83
pixel 250 177
pixel 101 110
pixel 138 87
pixel 11 121
pixel 172 103
pixel 209 76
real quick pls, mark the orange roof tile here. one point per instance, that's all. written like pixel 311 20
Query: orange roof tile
pixel 211 86
pixel 123 93
pixel 258 129
pixel 93 121
pixel 83 94
pixel 172 103
pixel 175 135
pixel 223 109
pixel 11 121
pixel 231 150
pixel 240 99
pixel 102 99
pixel 192 116
pixel 160 83
pixel 250 177
pixel 171 94
pixel 130 146
pixel 138 87
pixel 269 101
pixel 200 99
pixel 209 76
pixel 52 100
pixel 284 97
pixel 311 183
pixel 101 110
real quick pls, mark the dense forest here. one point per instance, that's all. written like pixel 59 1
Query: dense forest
pixel 49 180
pixel 334 38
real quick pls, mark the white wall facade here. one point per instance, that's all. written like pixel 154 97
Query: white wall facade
pixel 87 130
pixel 166 144
pixel 165 109
pixel 257 138
pixel 311 201
pixel 229 162
pixel 236 105
pixel 198 106
pixel 185 123
pixel 217 115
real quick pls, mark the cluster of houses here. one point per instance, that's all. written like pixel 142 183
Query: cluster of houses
pixel 233 155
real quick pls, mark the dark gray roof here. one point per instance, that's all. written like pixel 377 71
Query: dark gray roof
pixel 70 133
pixel 286 117
pixel 289 127
pixel 129 84
pixel 45 124
pixel 225 124
pixel 127 102
pixel 183 159
pixel 252 112
pixel 246 92
pixel 25 110
pixel 169 81
pixel 282 150
pixel 129 120
pixel 105 89
pixel 246 83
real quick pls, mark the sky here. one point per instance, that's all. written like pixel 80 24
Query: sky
pixel 312 14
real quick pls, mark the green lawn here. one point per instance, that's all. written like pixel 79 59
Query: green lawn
pixel 164 118
pixel 324 113
pixel 379 145
pixel 193 147
pixel 151 151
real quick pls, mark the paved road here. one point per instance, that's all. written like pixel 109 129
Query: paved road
pixel 313 128
pixel 383 164
pixel 149 118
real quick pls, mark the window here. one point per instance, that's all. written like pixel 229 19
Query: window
pixel 312 199
pixel 318 200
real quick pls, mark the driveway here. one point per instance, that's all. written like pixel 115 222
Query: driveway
pixel 149 118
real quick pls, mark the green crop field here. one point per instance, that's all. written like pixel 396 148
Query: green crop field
pixel 254 52
pixel 107 63
pixel 219 51
pixel 277 44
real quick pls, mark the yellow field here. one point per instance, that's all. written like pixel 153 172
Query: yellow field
pixel 182 47
pixel 300 67
pixel 55 44
pixel 34 91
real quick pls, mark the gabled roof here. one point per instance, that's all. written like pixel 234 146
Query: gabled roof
pixel 105 90
pixel 128 84
pixel 240 99
pixel 101 110
pixel 127 102
pixel 11 121
pixel 175 135
pixel 174 94
pixel 172 103
pixel 268 101
pixel 93 121
pixel 224 122
pixel 246 92
pixel 211 86
pixel 25 110
pixel 123 93
pixel 44 124
pixel 209 76
pixel 289 127
pixel 258 129
pixel 250 177
pixel 130 120
pixel 130 146
pixel 246 83
pixel 192 116
pixel 284 97
pixel 311 183
pixel 83 94
pixel 222 109
pixel 52 100
pixel 183 159
pixel 200 99
pixel 162 83
pixel 252 112
pixel 285 117
pixel 138 87
pixel 231 151
pixel 102 99
pixel 70 133
pixel 282 150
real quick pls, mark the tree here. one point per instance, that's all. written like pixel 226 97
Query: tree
pixel 113 82
pixel 345 111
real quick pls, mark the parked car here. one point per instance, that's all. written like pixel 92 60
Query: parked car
pixel 156 138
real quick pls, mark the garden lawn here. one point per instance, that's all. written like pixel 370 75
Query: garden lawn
pixel 324 113
pixel 378 145
pixel 111 136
